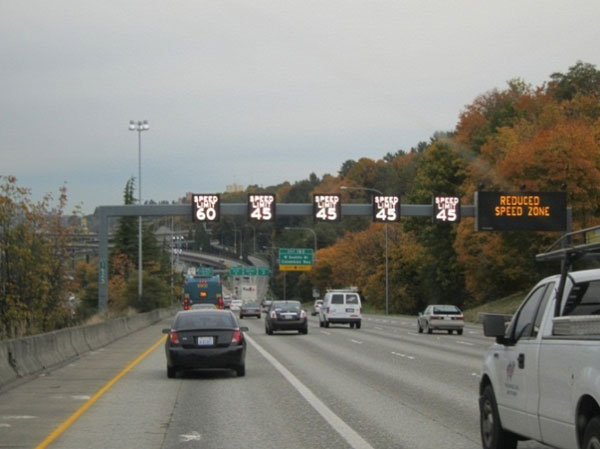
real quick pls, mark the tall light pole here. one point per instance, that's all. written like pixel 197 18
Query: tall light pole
pixel 139 127
pixel 387 283
pixel 306 229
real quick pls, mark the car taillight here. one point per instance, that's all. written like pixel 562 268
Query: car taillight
pixel 458 318
pixel 237 337
pixel 302 314
pixel 220 303
pixel 273 314
pixel 174 338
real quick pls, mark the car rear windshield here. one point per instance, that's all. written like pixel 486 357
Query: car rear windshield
pixel 289 306
pixel 337 299
pixel 249 305
pixel 446 310
pixel 205 320
pixel 351 299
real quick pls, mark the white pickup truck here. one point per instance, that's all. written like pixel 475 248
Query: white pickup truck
pixel 541 379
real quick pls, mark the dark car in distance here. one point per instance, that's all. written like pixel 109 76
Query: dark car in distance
pixel 250 309
pixel 286 316
pixel 205 339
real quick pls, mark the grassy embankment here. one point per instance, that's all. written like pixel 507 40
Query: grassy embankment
pixel 506 305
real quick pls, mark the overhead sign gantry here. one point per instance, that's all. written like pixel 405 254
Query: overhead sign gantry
pixel 493 211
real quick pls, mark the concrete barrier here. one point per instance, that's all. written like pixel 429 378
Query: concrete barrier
pixel 27 356
pixel 7 370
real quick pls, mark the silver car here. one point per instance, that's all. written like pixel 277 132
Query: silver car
pixel 444 317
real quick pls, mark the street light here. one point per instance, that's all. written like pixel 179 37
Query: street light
pixel 287 228
pixel 387 284
pixel 139 127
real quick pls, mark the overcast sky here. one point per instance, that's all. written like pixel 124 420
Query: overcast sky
pixel 254 91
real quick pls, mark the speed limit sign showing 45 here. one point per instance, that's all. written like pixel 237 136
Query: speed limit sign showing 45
pixel 327 207
pixel 386 208
pixel 206 207
pixel 261 207
pixel 446 209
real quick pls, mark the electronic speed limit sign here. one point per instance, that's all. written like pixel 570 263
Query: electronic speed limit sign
pixel 386 208
pixel 446 209
pixel 261 207
pixel 327 207
pixel 206 207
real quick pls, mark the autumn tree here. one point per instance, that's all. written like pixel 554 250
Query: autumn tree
pixel 581 79
pixel 34 257
pixel 123 263
pixel 442 171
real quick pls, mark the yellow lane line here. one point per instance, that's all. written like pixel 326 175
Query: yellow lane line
pixel 75 416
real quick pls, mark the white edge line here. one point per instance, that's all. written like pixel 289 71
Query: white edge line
pixel 345 431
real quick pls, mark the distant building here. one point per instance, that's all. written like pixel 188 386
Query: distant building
pixel 232 188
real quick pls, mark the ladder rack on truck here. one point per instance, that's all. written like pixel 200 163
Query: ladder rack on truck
pixel 573 246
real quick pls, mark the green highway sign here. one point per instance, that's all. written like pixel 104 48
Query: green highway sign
pixel 236 271
pixel 295 259
pixel 249 271
pixel 205 271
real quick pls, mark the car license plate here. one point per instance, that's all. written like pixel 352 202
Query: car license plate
pixel 350 310
pixel 288 317
pixel 447 318
pixel 205 341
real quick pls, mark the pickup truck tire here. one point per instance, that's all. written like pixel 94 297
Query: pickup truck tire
pixel 591 437
pixel 493 436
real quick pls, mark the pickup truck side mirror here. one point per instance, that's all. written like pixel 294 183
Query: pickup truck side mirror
pixel 494 325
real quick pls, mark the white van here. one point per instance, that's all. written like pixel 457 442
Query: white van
pixel 340 306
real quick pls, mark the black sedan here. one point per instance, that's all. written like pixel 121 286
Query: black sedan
pixel 250 309
pixel 205 339
pixel 286 316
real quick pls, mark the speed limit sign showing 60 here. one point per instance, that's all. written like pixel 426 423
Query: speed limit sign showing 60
pixel 206 207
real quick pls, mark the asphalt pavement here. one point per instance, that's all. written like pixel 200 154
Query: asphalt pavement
pixel 381 386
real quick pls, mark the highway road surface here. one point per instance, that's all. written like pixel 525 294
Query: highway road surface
pixel 382 386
